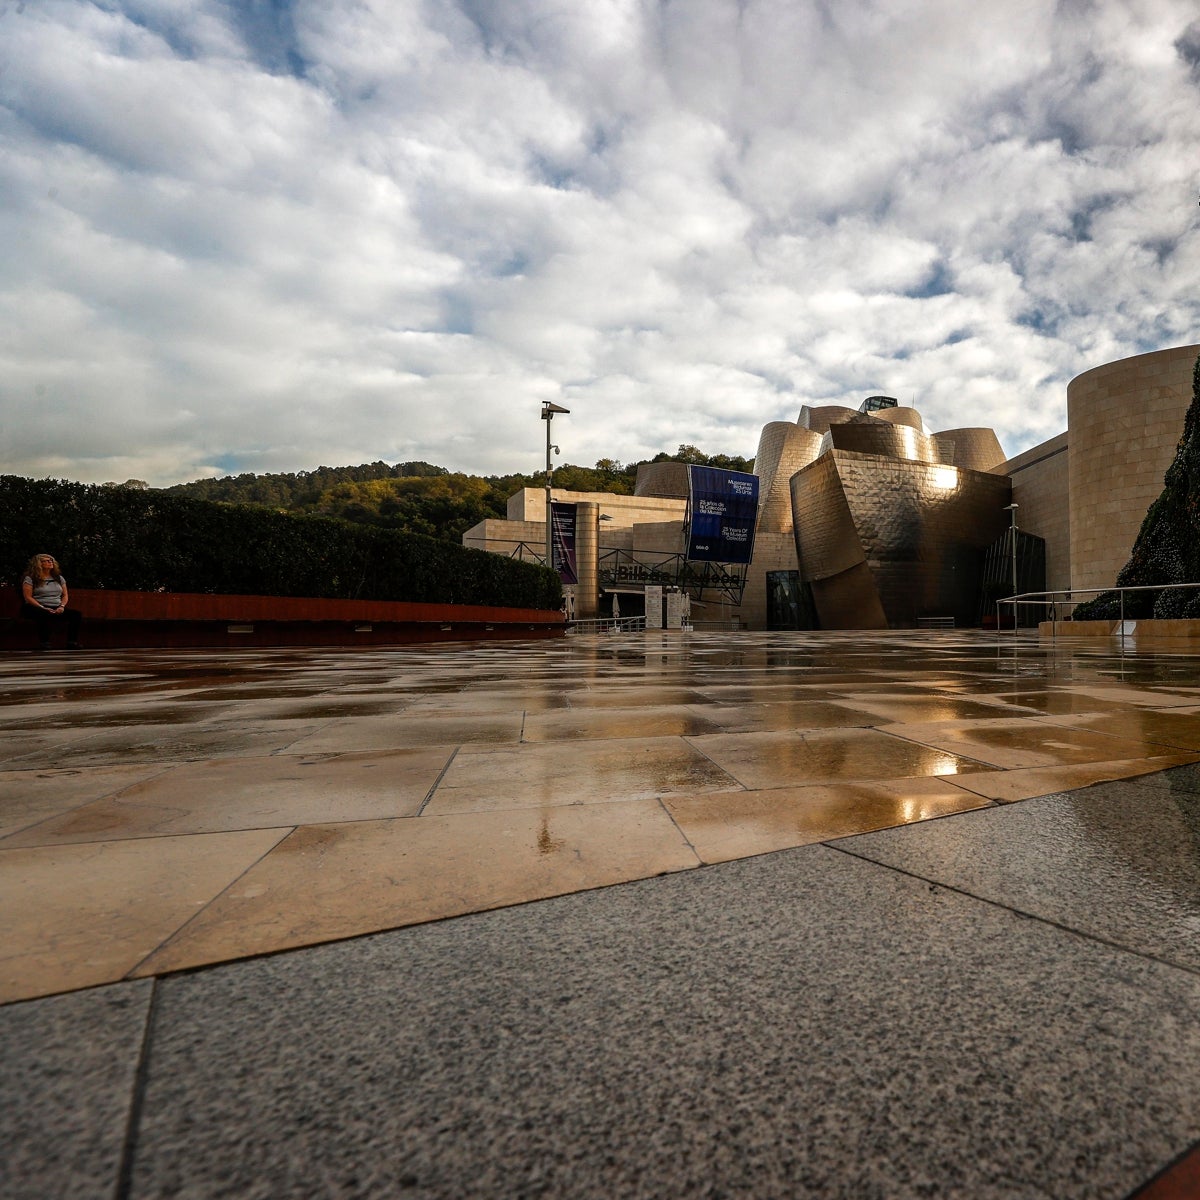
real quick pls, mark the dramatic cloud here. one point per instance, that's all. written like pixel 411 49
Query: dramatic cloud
pixel 256 235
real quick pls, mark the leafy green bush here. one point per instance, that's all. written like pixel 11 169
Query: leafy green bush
pixel 125 538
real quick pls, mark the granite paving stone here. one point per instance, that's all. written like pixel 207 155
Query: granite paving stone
pixel 67 1069
pixel 1119 861
pixel 799 1024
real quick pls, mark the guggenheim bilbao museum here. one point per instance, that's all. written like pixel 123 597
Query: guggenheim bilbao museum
pixel 865 519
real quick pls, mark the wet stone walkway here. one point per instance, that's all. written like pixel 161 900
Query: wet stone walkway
pixel 1001 1002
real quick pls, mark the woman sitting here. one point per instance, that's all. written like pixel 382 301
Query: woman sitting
pixel 44 592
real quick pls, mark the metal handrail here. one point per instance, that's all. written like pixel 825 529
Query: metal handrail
pixel 607 625
pixel 1043 598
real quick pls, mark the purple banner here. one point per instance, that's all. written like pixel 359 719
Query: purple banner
pixel 562 541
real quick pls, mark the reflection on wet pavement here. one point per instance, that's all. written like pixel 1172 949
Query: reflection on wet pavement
pixel 160 810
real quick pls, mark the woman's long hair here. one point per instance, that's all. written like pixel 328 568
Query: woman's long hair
pixel 33 568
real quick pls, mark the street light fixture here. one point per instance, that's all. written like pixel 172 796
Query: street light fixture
pixel 1012 511
pixel 548 411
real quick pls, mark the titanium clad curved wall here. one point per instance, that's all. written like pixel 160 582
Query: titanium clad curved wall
pixel 827 542
pixel 820 418
pixel 878 437
pixel 977 449
pixel 783 448
pixel 919 528
pixel 666 479
pixel 1125 419
pixel 901 416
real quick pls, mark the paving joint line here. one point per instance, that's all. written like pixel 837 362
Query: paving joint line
pixel 437 782
pixel 286 832
pixel 137 1099
pixel 700 862
pixel 1016 912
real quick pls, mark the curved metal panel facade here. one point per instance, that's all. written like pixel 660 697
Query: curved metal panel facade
pixel 977 449
pixel 783 449
pixel 901 416
pixel 820 418
pixel 665 479
pixel 878 437
pixel 918 528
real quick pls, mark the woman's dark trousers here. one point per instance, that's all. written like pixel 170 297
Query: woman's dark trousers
pixel 47 622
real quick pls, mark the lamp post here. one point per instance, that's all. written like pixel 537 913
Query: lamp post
pixel 548 411
pixel 1012 511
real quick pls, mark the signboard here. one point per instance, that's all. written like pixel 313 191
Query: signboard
pixel 724 507
pixel 562 541
pixel 654 606
pixel 675 609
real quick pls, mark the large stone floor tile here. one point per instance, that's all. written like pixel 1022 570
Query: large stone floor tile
pixel 27 797
pixel 1118 861
pixel 40 747
pixel 773 760
pixel 75 916
pixel 336 881
pixel 586 772
pixel 579 723
pixel 1175 727
pixel 1139 697
pixel 1027 782
pixel 253 793
pixel 156 743
pixel 321 708
pixel 67 1068
pixel 892 708
pixel 808 713
pixel 473 701
pixel 410 730
pixel 1011 743
pixel 804 1024
pixel 1055 700
pixel 83 713
pixel 728 825
pixel 631 695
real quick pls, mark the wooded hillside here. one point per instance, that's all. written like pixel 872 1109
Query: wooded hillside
pixel 419 497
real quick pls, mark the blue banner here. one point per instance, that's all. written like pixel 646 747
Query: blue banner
pixel 724 508
pixel 562 541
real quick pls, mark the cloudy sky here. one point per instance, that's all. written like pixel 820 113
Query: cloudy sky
pixel 253 235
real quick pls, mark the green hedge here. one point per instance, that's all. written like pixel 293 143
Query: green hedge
pixel 149 541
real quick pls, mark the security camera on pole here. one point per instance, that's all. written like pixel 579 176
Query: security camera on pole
pixel 548 411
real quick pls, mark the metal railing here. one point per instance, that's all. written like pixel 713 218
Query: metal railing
pixel 607 625
pixel 1073 596
pixel 525 552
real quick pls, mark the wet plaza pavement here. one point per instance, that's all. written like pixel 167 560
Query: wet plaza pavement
pixel 1001 1002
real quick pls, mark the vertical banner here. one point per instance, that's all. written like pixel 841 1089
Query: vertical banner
pixel 562 541
pixel 724 508
pixel 654 606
